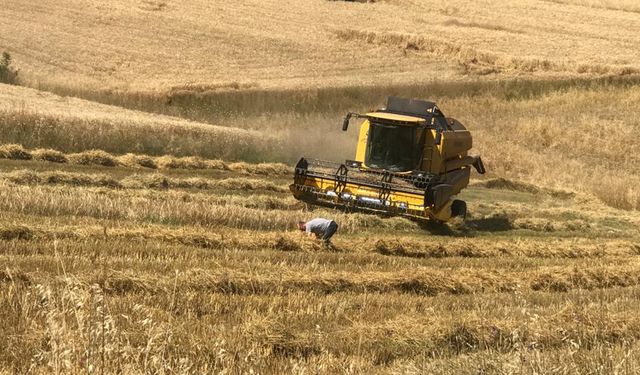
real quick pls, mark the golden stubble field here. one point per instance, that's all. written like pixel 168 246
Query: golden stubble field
pixel 193 266
pixel 137 243
pixel 155 234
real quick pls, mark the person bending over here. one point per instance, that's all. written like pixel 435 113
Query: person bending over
pixel 322 228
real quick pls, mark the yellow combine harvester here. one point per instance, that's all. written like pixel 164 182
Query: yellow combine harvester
pixel 410 161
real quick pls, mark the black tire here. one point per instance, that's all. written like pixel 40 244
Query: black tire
pixel 459 209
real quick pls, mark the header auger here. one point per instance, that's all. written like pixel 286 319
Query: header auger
pixel 410 161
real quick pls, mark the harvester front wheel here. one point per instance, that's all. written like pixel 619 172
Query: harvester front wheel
pixel 459 208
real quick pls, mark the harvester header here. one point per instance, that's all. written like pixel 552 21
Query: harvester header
pixel 410 161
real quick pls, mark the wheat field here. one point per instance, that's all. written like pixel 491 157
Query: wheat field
pixel 104 269
pixel 146 226
pixel 155 45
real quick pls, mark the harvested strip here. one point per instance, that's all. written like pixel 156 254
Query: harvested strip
pixel 12 276
pixel 156 181
pixel 133 160
pixel 422 281
pixel 159 181
pixel 49 155
pixel 105 159
pixel 507 184
pixel 13 151
pixel 481 248
pixel 546 225
pixel 457 334
pixel 407 333
pixel 28 177
pixel 53 201
pixel 164 205
pixel 93 157
pixel 16 232
pixel 188 162
pixel 268 169
pixel 291 241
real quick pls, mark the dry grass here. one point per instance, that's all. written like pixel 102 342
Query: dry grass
pixel 573 146
pixel 142 181
pixel 154 244
pixel 50 155
pixel 13 151
pixel 380 304
pixel 104 159
pixel 171 51
pixel 38 120
pixel 267 169
pixel 518 148
pixel 163 280
pixel 93 157
pixel 133 160
pixel 620 5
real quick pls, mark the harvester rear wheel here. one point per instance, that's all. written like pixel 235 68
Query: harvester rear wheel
pixel 459 209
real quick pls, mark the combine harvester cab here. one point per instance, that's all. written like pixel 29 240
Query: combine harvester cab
pixel 410 161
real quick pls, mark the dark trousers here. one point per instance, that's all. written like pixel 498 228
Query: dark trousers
pixel 331 230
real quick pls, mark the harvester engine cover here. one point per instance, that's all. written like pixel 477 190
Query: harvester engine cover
pixel 410 161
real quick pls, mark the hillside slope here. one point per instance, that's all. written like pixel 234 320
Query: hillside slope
pixel 147 45
pixel 35 118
